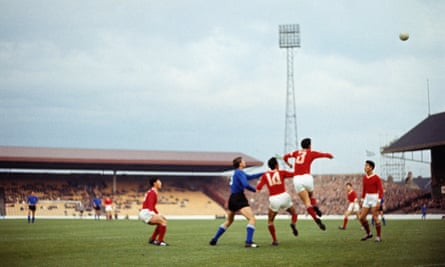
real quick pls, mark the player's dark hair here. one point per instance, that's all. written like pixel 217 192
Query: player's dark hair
pixel 272 163
pixel 306 143
pixel 237 162
pixel 370 163
pixel 153 180
pixel 349 184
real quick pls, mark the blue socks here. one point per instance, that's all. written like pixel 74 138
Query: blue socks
pixel 220 231
pixel 250 229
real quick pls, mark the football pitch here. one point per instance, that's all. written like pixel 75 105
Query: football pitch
pixel 52 242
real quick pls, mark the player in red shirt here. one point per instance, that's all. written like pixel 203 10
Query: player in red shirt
pixel 278 197
pixel 371 195
pixel 303 180
pixel 108 202
pixel 353 206
pixel 150 215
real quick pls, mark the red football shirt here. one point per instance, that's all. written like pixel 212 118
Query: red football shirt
pixel 274 180
pixel 304 158
pixel 372 185
pixel 352 196
pixel 150 200
pixel 108 201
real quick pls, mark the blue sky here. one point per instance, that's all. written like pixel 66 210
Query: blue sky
pixel 209 75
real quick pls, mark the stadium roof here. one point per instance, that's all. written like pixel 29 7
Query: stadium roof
pixel 118 160
pixel 427 134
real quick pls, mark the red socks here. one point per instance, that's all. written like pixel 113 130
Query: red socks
pixel 162 230
pixel 345 222
pixel 378 228
pixel 311 212
pixel 365 225
pixel 155 233
pixel 294 218
pixel 272 232
pixel 159 230
pixel 313 201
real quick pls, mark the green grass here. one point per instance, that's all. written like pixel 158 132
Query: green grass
pixel 124 243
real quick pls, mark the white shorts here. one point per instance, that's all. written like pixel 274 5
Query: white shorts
pixel 304 182
pixel 108 208
pixel 370 201
pixel 353 207
pixel 281 201
pixel 145 215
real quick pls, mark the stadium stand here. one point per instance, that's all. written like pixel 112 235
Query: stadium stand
pixel 26 169
pixel 68 195
pixel 71 194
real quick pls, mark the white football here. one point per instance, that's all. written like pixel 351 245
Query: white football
pixel 403 36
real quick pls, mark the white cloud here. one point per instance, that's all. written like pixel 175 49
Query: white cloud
pixel 141 74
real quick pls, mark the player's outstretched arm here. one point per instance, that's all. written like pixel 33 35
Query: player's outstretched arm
pixel 253 176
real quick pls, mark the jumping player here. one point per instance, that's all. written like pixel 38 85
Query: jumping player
pixel 32 202
pixel 353 206
pixel 278 197
pixel 238 203
pixel 150 215
pixel 371 195
pixel 303 180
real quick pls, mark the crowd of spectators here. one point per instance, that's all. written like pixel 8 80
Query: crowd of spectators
pixel 129 190
pixel 329 190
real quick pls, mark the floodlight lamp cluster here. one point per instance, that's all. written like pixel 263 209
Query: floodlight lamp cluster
pixel 289 35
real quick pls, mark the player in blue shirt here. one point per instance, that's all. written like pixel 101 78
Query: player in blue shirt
pixel 97 202
pixel 32 202
pixel 238 202
pixel 423 209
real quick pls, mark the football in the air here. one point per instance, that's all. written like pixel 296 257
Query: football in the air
pixel 403 36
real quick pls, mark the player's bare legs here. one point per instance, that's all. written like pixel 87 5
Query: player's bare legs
pixel 248 213
pixel 375 214
pixel 363 214
pixel 158 219
pixel 230 218
pixel 304 196
pixel 271 216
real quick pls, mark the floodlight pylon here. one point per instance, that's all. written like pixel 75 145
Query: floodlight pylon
pixel 289 38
